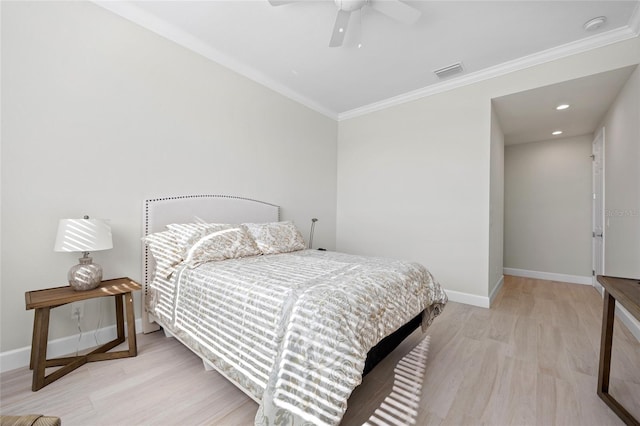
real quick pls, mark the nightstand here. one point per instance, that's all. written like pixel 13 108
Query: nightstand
pixel 43 300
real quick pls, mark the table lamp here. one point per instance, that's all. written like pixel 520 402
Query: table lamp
pixel 84 235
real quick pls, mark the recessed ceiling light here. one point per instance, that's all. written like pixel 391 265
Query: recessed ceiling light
pixel 562 106
pixel 557 132
pixel 595 23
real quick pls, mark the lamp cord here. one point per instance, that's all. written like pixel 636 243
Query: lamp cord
pixel 79 335
pixel 95 335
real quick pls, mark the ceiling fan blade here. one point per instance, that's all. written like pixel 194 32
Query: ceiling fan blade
pixel 397 10
pixel 340 28
pixel 281 2
pixel 355 29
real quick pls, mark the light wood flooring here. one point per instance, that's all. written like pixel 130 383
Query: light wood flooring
pixel 531 359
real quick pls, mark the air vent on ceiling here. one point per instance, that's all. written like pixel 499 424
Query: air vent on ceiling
pixel 448 71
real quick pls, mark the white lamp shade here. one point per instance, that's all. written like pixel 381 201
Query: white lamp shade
pixel 83 235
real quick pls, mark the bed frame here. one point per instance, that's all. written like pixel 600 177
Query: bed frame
pixel 159 212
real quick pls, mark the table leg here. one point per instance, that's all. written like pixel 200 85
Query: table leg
pixel 119 317
pixel 131 325
pixel 39 350
pixel 34 342
pixel 606 342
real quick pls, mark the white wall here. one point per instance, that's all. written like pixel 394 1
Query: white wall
pixel 548 206
pixel 622 182
pixel 496 206
pixel 414 179
pixel 413 184
pixel 99 114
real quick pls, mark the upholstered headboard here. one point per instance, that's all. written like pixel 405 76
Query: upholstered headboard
pixel 159 212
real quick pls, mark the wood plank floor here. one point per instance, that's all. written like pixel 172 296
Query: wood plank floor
pixel 531 359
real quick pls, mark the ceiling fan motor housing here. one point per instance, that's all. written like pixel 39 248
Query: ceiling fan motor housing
pixel 350 5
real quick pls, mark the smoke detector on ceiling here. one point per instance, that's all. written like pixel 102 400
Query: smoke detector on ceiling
pixel 595 23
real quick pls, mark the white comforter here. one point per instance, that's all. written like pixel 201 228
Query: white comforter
pixel 294 329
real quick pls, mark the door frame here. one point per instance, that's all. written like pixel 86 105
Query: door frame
pixel 598 216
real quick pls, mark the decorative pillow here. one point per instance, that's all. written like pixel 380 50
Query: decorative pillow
pixel 276 237
pixel 231 243
pixel 165 251
pixel 187 234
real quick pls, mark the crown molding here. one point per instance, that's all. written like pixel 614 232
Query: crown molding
pixel 555 53
pixel 161 27
pixel 138 16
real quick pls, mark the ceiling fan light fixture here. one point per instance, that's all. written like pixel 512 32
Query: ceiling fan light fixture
pixel 350 5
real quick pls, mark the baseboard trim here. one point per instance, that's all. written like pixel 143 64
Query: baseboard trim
pixel 623 315
pixel 551 276
pixel 18 358
pixel 495 290
pixel 468 299
pixel 627 319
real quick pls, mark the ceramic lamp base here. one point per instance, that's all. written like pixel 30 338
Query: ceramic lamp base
pixel 86 275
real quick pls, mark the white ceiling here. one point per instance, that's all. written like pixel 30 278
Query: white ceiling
pixel 286 47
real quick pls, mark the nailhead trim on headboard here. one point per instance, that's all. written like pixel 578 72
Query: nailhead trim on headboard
pixel 147 207
pixel 179 197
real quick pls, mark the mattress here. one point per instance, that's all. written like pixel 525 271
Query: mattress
pixel 293 330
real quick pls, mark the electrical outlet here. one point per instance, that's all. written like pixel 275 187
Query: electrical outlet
pixel 77 310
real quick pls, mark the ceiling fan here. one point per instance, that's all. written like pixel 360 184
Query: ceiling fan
pixel 394 9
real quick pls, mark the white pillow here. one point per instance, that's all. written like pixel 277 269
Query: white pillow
pixel 276 237
pixel 187 234
pixel 231 243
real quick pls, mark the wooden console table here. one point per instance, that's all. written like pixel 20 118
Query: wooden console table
pixel 43 300
pixel 627 293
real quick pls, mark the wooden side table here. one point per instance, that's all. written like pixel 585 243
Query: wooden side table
pixel 627 293
pixel 43 300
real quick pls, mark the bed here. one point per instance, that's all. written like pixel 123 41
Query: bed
pixel 295 329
